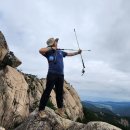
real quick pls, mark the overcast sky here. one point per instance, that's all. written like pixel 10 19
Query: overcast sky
pixel 102 26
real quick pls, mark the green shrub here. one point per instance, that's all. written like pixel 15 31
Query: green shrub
pixel 50 105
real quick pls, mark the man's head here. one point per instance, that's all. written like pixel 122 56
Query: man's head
pixel 52 42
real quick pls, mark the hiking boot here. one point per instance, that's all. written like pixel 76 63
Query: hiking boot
pixel 42 114
pixel 61 112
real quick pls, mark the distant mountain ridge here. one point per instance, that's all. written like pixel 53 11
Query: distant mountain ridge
pixel 93 113
pixel 119 108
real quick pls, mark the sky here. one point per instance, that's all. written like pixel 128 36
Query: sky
pixel 101 25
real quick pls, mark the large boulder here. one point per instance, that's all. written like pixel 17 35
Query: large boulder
pixel 3 47
pixel 6 56
pixel 98 125
pixel 1 128
pixel 54 122
pixel 72 103
pixel 14 102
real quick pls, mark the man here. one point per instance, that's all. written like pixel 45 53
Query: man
pixel 55 75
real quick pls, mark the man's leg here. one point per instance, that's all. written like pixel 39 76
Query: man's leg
pixel 59 96
pixel 45 96
pixel 59 91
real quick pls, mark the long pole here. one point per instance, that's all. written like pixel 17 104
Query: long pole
pixel 83 70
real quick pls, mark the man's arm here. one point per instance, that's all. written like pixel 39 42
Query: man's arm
pixel 74 53
pixel 44 50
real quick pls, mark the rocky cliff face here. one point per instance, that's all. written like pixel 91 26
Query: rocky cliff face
pixel 14 100
pixel 20 94
pixel 72 102
pixel 55 122
pixel 19 99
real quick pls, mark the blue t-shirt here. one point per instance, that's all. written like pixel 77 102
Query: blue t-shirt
pixel 55 61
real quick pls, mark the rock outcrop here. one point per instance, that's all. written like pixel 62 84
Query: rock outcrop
pixel 14 101
pixel 98 125
pixel 55 122
pixel 6 56
pixel 1 128
pixel 17 98
pixel 3 47
pixel 72 101
pixel 20 94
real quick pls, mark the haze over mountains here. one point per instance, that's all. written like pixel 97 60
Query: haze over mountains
pixel 119 108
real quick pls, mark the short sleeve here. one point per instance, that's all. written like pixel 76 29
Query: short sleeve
pixel 46 55
pixel 64 54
